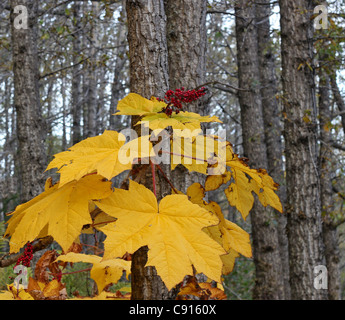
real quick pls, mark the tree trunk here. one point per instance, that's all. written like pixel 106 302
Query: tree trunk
pixel 76 76
pixel 273 128
pixel 269 280
pixel 187 44
pixel 117 90
pixel 338 99
pixel 30 126
pixel 330 235
pixel 148 77
pixel 92 74
pixel 303 207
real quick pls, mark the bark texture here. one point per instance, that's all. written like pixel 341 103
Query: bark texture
pixel 273 127
pixel 30 125
pixel 303 206
pixel 269 281
pixel 187 44
pixel 330 235
pixel 148 77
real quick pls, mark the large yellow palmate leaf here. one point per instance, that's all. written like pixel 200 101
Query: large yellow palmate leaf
pixel 172 231
pixel 107 154
pixel 60 212
pixel 103 272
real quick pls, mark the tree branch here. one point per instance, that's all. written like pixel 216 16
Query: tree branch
pixel 38 246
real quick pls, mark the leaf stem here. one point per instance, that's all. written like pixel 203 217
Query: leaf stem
pixel 153 178
pixel 189 157
pixel 166 178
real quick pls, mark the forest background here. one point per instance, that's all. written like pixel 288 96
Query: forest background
pixel 274 78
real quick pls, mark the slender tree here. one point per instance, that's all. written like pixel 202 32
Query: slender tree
pixel 303 205
pixel 30 124
pixel 76 96
pixel 272 122
pixel 269 282
pixel 330 234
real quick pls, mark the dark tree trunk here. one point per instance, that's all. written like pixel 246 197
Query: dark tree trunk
pixel 303 206
pixel 273 127
pixel 338 99
pixel 330 235
pixel 148 77
pixel 269 280
pixel 76 76
pixel 30 125
pixel 187 44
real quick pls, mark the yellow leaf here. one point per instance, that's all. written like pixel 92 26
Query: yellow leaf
pixel 172 231
pixel 195 152
pixel 65 210
pixel 239 194
pixel 235 238
pixel 229 261
pixel 53 290
pixel 183 120
pixel 261 183
pixel 105 295
pixel 134 104
pixel 107 154
pixel 104 272
pixel 267 196
pixel 6 295
pixel 17 293
pixel 214 182
pixel 196 193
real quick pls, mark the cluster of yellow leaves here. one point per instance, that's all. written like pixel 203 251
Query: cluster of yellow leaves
pixel 228 166
pixel 152 115
pixel 184 233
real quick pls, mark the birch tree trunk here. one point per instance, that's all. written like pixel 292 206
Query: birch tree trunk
pixel 303 206
pixel 148 77
pixel 30 125
pixel 269 280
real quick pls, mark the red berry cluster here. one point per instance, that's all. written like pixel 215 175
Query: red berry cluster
pixel 174 99
pixel 26 257
pixel 58 276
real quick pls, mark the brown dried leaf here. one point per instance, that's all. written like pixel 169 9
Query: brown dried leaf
pixel 46 261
